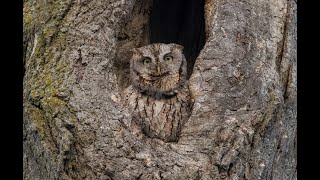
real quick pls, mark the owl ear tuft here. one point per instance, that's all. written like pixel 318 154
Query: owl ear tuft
pixel 178 46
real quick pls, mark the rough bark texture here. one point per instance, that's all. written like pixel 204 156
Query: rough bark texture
pixel 243 123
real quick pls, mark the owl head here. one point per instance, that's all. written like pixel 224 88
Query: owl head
pixel 158 67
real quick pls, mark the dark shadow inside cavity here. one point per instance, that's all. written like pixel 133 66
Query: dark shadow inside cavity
pixel 181 22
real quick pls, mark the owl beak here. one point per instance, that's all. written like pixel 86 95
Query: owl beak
pixel 158 69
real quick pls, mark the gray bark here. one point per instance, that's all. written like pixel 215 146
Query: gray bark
pixel 243 124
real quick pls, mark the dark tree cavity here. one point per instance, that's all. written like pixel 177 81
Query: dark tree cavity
pixel 181 22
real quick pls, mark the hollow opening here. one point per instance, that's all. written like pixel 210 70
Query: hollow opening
pixel 160 21
pixel 181 22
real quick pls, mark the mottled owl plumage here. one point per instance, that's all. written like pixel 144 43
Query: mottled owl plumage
pixel 158 97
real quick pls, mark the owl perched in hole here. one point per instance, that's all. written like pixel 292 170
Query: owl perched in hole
pixel 158 97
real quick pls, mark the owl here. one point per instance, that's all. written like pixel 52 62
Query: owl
pixel 158 96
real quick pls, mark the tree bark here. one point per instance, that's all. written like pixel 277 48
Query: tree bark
pixel 243 124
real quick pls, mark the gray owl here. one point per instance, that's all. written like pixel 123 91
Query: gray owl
pixel 158 97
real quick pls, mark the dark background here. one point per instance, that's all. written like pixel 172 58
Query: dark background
pixel 181 22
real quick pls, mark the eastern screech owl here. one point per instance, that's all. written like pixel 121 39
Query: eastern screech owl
pixel 158 97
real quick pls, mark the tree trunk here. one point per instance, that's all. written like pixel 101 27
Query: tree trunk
pixel 243 123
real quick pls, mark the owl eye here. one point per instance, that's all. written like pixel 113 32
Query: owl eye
pixel 146 60
pixel 168 58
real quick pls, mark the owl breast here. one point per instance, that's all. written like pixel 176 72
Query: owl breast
pixel 161 118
